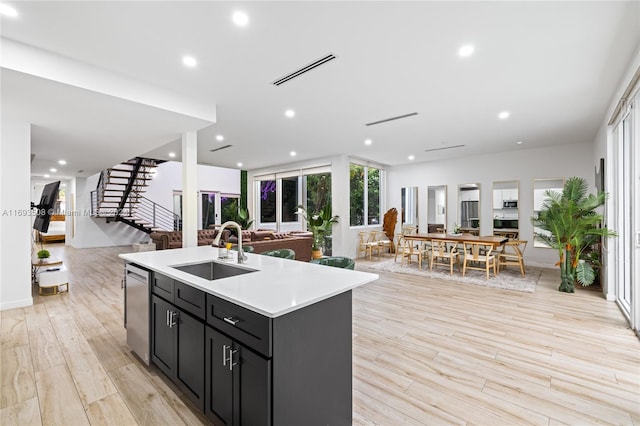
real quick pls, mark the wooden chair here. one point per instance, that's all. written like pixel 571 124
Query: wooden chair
pixel 477 253
pixel 445 253
pixel 382 240
pixel 409 250
pixel 367 245
pixel 512 254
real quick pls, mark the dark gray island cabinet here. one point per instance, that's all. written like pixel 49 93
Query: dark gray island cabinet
pixel 243 368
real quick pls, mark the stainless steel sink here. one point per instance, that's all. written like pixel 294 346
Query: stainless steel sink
pixel 213 270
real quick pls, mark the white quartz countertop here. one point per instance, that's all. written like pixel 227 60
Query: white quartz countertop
pixel 278 287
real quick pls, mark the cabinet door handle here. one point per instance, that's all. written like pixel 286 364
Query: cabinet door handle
pixel 231 320
pixel 231 361
pixel 224 356
pixel 172 319
pixel 167 318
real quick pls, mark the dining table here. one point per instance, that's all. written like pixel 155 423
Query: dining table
pixel 495 240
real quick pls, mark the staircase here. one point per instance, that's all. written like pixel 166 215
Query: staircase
pixel 118 197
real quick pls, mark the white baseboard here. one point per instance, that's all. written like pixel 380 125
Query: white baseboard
pixel 16 304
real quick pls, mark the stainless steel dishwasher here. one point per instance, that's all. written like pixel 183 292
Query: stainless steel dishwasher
pixel 136 310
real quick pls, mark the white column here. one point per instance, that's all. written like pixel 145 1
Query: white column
pixel 15 219
pixel 190 189
pixel 344 241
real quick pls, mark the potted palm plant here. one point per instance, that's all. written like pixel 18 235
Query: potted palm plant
pixel 572 225
pixel 319 224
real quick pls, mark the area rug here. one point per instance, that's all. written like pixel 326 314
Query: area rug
pixel 508 279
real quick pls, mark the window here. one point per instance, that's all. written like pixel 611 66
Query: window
pixel 289 199
pixel 318 191
pixel 229 207
pixel 364 188
pixel 279 194
pixel 267 201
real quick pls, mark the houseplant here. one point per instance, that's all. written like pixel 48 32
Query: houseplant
pixel 43 254
pixel 572 225
pixel 319 224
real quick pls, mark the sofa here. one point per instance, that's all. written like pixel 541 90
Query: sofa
pixel 266 240
pixel 173 239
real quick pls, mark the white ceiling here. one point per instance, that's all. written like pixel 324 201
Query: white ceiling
pixel 553 65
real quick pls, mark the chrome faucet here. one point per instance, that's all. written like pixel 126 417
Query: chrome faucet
pixel 216 241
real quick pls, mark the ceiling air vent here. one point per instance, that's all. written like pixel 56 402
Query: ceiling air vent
pixel 443 148
pixel 220 148
pixel 391 119
pixel 306 68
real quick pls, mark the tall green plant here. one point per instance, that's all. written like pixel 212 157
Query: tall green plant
pixel 319 223
pixel 572 225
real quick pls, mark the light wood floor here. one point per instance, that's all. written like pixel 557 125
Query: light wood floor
pixel 425 352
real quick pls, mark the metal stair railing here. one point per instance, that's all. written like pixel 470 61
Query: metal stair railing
pixel 133 208
pixel 157 216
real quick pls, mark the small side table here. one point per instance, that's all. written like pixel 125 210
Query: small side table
pixel 53 280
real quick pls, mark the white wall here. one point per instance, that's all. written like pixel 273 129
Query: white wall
pixel 168 178
pixel 15 219
pixel 524 165
pixel 93 231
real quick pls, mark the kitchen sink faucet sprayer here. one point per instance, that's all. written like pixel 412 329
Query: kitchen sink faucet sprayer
pixel 216 241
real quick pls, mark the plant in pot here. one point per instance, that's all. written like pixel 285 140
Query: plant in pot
pixel 572 226
pixel 43 254
pixel 319 224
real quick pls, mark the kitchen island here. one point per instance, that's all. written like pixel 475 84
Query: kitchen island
pixel 270 345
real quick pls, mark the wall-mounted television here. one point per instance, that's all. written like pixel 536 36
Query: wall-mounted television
pixel 45 207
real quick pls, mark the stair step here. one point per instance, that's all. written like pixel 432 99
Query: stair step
pixel 124 184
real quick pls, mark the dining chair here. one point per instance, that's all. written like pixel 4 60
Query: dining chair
pixel 476 253
pixel 384 243
pixel 445 253
pixel 409 250
pixel 367 244
pixel 512 254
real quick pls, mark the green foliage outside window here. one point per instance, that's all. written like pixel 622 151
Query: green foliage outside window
pixel 361 206
pixel 356 203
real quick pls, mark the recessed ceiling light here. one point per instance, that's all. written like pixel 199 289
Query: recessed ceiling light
pixel 465 50
pixel 219 138
pixel 62 162
pixel 172 155
pixel 52 170
pixel 412 157
pixel 290 113
pixel 239 164
pixel 519 142
pixel 368 141
pixel 241 19
pixel 292 153
pixel 46 176
pixel 189 61
pixel 503 115
pixel 7 10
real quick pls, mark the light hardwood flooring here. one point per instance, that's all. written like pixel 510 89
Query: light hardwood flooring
pixel 425 352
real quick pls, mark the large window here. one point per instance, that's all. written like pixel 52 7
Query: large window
pixel 268 201
pixel 279 194
pixel 289 199
pixel 318 191
pixel 364 182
